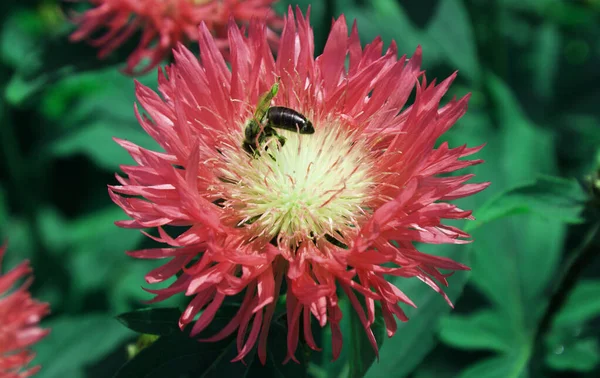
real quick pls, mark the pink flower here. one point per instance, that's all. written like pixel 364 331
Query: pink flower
pixel 164 23
pixel 19 318
pixel 339 208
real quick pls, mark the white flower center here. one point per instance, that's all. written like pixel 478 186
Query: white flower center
pixel 315 186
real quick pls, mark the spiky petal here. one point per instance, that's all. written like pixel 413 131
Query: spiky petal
pixel 19 318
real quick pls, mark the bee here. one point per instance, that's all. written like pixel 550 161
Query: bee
pixel 267 118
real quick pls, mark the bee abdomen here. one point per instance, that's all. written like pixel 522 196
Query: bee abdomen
pixel 289 119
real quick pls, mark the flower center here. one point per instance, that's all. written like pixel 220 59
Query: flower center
pixel 314 186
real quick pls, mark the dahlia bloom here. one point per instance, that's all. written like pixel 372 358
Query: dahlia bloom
pixel 19 318
pixel 164 23
pixel 339 208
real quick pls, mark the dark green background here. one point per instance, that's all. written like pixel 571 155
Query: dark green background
pixel 532 67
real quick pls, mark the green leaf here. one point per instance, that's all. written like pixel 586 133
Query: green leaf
pixel 129 279
pixel 442 362
pixel 362 354
pixel 154 321
pixel 582 355
pixel 98 229
pixel 55 229
pixel 3 211
pixel 96 114
pixel 451 30
pixel 545 60
pixel 75 343
pixel 96 141
pixel 481 330
pixel 506 366
pixel 565 13
pixel 19 34
pixel 400 354
pixel 537 258
pixel 94 243
pixel 513 264
pixel 16 234
pixel 19 89
pixel 448 37
pixel 569 345
pixel 340 367
pixel 61 101
pixel 276 354
pixel 55 58
pixel 515 258
pixel 576 128
pixel 388 12
pixel 550 197
pixel 178 355
pixel 513 267
pixel 357 353
pixel 582 305
pixel 530 5
pixel 526 149
pixel 570 14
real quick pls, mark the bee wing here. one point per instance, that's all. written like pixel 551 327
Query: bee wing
pixel 265 102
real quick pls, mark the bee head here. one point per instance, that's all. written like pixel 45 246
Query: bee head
pixel 307 128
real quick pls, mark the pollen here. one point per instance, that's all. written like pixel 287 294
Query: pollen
pixel 313 187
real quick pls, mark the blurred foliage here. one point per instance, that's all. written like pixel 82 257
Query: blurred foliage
pixel 532 68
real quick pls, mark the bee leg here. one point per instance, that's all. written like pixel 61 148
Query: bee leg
pixel 271 133
pixel 250 148
pixel 281 140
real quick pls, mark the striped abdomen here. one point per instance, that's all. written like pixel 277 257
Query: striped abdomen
pixel 289 119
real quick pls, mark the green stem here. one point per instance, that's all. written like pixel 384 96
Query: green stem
pixel 581 259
